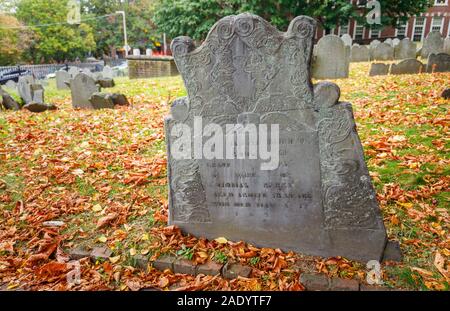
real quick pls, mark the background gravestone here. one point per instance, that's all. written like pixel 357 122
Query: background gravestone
pixel 405 49
pixel 73 71
pixel 347 39
pixel 389 41
pixel 395 42
pixel 332 58
pixel 383 51
pixel 434 43
pixel 407 66
pixel 82 88
pixel 447 45
pixel 360 53
pixel 11 85
pixel 379 69
pixel 62 77
pixel 320 200
pixel 107 72
pixel 438 63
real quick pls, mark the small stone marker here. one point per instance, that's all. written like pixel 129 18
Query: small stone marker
pixel 446 94
pixel 101 101
pixel 438 63
pixel 383 51
pixel 319 199
pixel 39 107
pixel 332 58
pixel 7 101
pixel 106 82
pixel 405 49
pixel 379 69
pixel 62 77
pixel 348 40
pixel 360 53
pixel 82 87
pixel 434 44
pixel 407 66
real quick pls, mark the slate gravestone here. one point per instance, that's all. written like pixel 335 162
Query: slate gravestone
pixel 372 46
pixel 447 45
pixel 107 72
pixel 62 77
pixel 320 199
pixel 434 43
pixel 395 42
pixel 360 53
pixel 82 87
pixel 438 63
pixel 383 51
pixel 407 66
pixel 30 91
pixel 332 58
pixel 405 49
pixel 379 69
pixel 347 39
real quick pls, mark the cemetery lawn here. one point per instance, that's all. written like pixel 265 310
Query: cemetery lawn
pixel 103 173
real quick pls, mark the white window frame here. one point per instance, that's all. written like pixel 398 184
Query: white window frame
pixel 423 30
pixel 442 23
pixel 440 4
pixel 354 31
pixel 370 33
pixel 348 29
pixel 406 30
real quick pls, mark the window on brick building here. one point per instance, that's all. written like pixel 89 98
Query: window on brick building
pixel 359 32
pixel 375 33
pixel 419 27
pixel 440 2
pixel 401 30
pixel 437 23
pixel 343 29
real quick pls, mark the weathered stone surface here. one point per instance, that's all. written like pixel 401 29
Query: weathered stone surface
pixel 438 63
pixel 379 69
pixel 106 82
pixel 447 45
pixel 164 262
pixel 319 200
pixel 184 266
pixel 38 107
pixel 338 284
pixel 393 252
pixel 107 72
pixel 73 71
pixel 315 282
pixel 446 94
pixel 79 253
pixel 24 88
pixel 389 41
pixel 140 262
pixel 7 101
pixel 383 51
pixel 82 87
pixel 120 99
pixel 62 77
pixel 233 270
pixel 347 39
pixel 210 268
pixel 100 253
pixel 433 44
pixel 396 42
pixel 360 53
pixel 11 85
pixel 101 101
pixel 405 49
pixel 407 66
pixel 332 58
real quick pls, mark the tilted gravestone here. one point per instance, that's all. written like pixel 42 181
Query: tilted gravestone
pixel 383 51
pixel 438 63
pixel 62 77
pixel 332 58
pixel 82 88
pixel 30 91
pixel 379 69
pixel 319 199
pixel 360 53
pixel 405 49
pixel 407 66
pixel 434 43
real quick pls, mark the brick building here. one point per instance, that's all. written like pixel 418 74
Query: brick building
pixel 437 18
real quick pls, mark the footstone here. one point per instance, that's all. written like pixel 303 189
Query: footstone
pixel 360 53
pixel 8 102
pixel 315 196
pixel 438 63
pixel 120 99
pixel 62 77
pixel 38 107
pixel 106 82
pixel 405 49
pixel 82 87
pixel 446 94
pixel 378 69
pixel 407 66
pixel 101 101
pixel 383 51
pixel 434 44
pixel 332 58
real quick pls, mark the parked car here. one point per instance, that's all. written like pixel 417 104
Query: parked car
pixel 13 74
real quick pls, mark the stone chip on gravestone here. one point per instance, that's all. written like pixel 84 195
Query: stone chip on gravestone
pixel 332 58
pixel 433 44
pixel 405 49
pixel 407 66
pixel 438 63
pixel 319 199
pixel 360 53
pixel 383 51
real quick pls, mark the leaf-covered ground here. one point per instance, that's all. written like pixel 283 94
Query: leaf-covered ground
pixel 103 173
